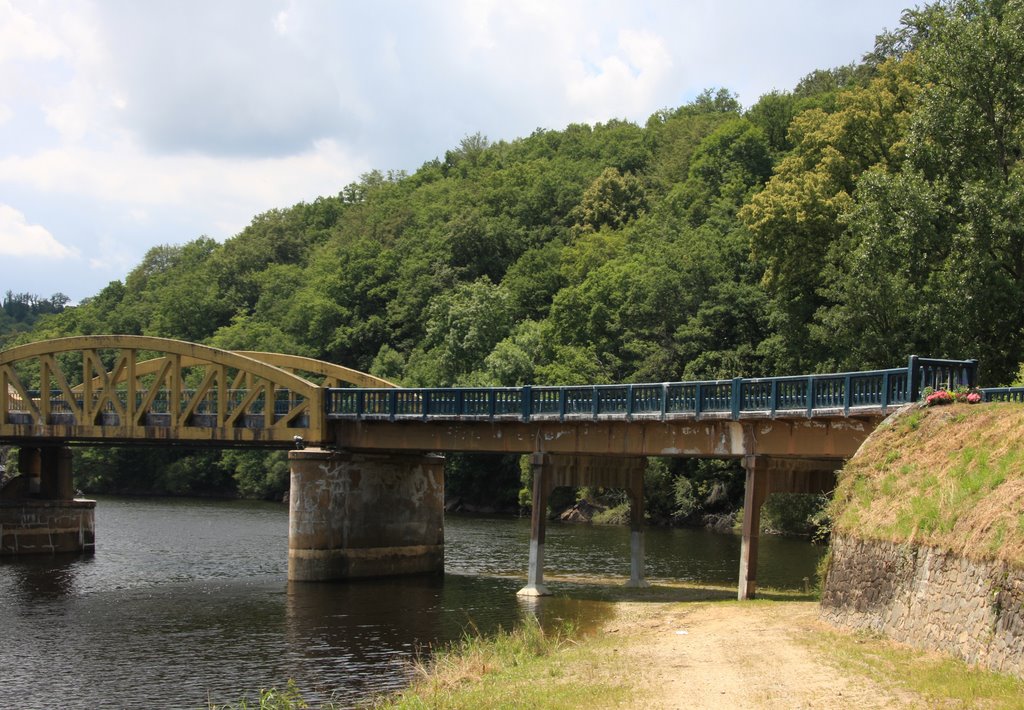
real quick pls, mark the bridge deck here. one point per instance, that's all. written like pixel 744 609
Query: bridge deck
pixel 196 395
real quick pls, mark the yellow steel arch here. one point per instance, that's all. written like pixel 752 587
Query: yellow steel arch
pixel 235 401
pixel 335 374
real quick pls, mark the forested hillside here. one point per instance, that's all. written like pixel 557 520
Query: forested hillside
pixel 871 212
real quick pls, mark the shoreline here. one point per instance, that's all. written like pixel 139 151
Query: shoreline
pixel 696 647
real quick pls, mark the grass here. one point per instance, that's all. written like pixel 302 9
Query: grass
pixel 951 477
pixel 270 699
pixel 618 515
pixel 939 681
pixel 527 667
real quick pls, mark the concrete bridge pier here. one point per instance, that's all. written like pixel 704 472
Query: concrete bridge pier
pixel 636 528
pixel 38 513
pixel 765 475
pixel 550 472
pixel 540 466
pixel 364 515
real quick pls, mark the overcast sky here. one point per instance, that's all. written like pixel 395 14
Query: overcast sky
pixel 126 124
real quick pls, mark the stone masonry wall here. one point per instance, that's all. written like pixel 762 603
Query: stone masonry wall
pixel 930 599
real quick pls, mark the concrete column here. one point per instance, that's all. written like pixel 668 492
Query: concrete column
pixel 755 492
pixel 539 463
pixel 636 526
pixel 364 515
pixel 30 464
pixel 56 473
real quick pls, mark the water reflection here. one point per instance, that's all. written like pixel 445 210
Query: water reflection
pixel 31 578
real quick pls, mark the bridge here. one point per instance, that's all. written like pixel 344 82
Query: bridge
pixel 366 467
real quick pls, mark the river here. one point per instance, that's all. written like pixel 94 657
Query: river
pixel 186 602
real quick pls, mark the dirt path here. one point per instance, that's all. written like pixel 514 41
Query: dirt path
pixel 719 655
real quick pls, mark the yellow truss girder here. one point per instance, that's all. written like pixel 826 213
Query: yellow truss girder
pixel 113 404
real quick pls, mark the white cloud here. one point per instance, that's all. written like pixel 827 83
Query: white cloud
pixel 630 78
pixel 231 191
pixel 19 238
pixel 22 37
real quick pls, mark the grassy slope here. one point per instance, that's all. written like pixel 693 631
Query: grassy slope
pixel 949 476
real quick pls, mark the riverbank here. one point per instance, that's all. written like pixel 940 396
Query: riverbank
pixel 708 653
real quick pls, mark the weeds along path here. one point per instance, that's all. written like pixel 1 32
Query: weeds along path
pixel 731 655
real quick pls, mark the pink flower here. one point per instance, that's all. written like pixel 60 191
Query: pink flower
pixel 974 398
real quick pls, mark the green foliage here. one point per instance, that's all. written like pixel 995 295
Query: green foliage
pixel 19 312
pixel 258 474
pixel 492 480
pixel 135 470
pixel 616 515
pixel 795 514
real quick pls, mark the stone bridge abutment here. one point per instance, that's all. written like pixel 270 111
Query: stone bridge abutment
pixel 38 509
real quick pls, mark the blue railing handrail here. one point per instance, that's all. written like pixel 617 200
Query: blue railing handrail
pixel 1002 394
pixel 807 394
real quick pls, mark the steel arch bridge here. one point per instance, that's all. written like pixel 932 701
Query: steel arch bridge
pixel 139 389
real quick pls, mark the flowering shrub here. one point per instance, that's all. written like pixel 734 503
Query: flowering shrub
pixel 933 397
pixel 938 397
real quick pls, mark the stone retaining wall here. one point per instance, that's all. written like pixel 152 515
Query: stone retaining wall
pixel 930 599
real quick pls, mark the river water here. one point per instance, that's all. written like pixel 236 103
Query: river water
pixel 186 603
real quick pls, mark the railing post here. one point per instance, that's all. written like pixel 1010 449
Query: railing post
pixel 885 392
pixel 972 373
pixel 698 395
pixel 595 403
pixel 360 404
pixel 810 396
pixel 527 402
pixel 629 402
pixel 664 400
pixel 492 403
pixel 425 403
pixel 460 402
pixel 736 397
pixel 913 380
pixel 392 404
pixel 775 396
pixel 561 404
pixel 846 396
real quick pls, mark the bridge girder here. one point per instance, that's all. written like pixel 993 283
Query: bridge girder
pixel 235 398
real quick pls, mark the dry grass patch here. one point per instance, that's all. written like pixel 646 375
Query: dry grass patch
pixel 951 477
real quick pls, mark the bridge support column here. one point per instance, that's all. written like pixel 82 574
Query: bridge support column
pixel 550 472
pixel 636 528
pixel 539 463
pixel 769 474
pixel 364 515
pixel 30 463
pixel 754 493
pixel 38 514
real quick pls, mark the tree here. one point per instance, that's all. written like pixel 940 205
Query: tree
pixel 463 326
pixel 799 215
pixel 612 200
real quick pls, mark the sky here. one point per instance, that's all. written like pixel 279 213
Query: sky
pixel 125 124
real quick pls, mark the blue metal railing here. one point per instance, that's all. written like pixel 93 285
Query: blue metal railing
pixel 809 395
pixel 1002 394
